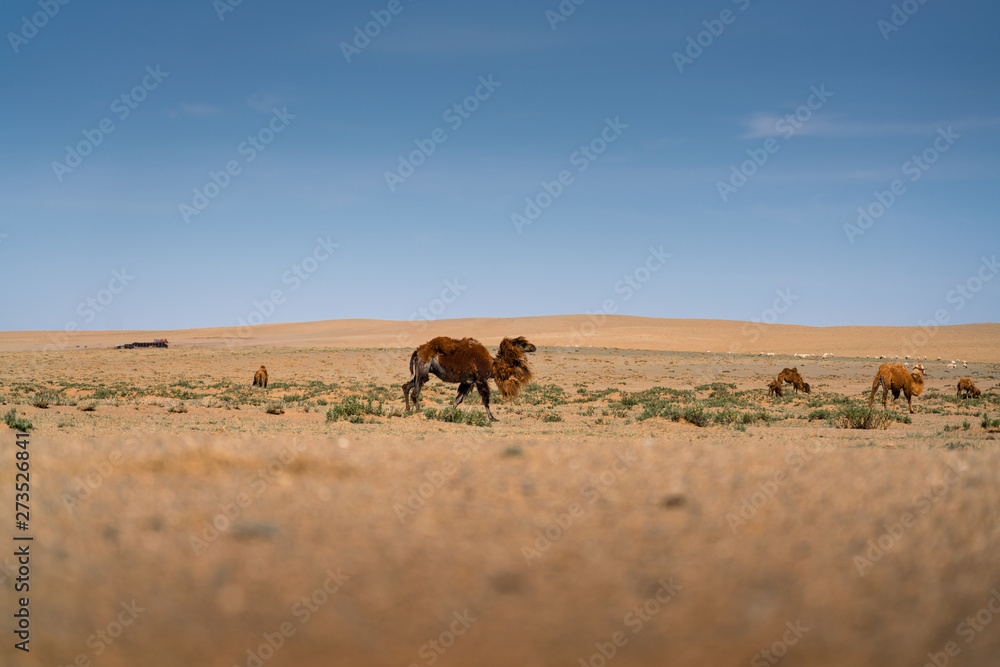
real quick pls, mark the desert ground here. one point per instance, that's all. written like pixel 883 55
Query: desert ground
pixel 643 501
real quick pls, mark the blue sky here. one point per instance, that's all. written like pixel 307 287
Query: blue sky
pixel 623 124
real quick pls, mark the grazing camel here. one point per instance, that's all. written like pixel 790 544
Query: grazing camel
pixel 966 388
pixel 792 377
pixel 467 362
pixel 775 388
pixel 260 378
pixel 895 378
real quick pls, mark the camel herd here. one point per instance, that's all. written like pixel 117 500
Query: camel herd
pixel 467 363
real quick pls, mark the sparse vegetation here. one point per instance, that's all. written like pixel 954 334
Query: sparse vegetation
pixel 354 406
pixel 275 409
pixel 177 409
pixel 456 416
pixel 863 417
pixel 17 423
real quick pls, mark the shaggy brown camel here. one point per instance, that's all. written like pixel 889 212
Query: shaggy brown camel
pixel 775 388
pixel 895 378
pixel 966 388
pixel 467 362
pixel 792 377
pixel 260 378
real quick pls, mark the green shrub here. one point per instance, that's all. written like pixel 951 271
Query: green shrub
pixel 354 406
pixel 819 414
pixel 854 416
pixel 456 416
pixel 17 423
pixel 696 415
pixel 552 417
pixel 273 409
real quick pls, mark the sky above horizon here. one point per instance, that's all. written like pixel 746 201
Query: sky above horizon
pixel 205 163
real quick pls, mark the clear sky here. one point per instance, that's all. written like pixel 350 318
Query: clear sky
pixel 173 165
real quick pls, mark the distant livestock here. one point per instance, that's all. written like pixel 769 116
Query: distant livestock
pixel 774 389
pixel 260 378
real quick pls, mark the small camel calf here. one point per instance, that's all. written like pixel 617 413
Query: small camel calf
pixel 966 388
pixel 775 388
pixel 260 378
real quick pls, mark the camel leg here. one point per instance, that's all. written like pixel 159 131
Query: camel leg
pixel 463 389
pixel 484 391
pixel 406 393
pixel 416 391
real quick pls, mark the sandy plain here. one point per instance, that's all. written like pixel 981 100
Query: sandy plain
pixel 178 522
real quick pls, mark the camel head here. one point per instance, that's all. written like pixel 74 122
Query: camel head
pixel 918 379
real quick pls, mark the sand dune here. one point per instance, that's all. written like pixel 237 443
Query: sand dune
pixel 974 342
